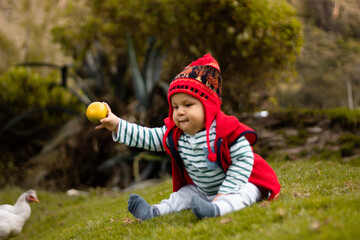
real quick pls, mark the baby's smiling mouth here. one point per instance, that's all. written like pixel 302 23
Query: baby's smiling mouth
pixel 182 121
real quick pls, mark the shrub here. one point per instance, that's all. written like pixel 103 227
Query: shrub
pixel 22 90
pixel 348 144
pixel 350 138
pixel 347 149
pixel 32 107
pixel 345 117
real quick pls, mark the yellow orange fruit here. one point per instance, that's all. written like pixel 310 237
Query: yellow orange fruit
pixel 96 111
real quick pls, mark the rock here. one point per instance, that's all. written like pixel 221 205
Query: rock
pixel 75 192
pixel 291 132
pixel 312 140
pixel 314 130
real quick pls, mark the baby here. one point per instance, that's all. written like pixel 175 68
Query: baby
pixel 214 169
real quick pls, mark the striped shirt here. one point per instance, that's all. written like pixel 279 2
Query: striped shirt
pixel 207 176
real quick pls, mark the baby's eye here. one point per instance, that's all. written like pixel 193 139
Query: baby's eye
pixel 188 104
pixel 175 107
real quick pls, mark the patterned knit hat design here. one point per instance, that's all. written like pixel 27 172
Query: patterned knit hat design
pixel 202 80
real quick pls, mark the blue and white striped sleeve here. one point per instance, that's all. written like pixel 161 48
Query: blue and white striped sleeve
pixel 238 174
pixel 135 135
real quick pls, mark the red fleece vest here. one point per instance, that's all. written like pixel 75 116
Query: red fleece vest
pixel 228 130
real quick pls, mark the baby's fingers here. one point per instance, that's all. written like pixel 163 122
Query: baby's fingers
pixel 107 107
pixel 101 126
pixel 103 123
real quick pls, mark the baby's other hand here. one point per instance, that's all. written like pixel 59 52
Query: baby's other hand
pixel 218 195
pixel 111 121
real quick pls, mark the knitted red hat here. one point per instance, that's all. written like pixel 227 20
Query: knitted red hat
pixel 202 80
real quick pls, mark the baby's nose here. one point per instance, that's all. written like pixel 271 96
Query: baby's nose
pixel 181 110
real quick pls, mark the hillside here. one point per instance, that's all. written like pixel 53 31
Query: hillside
pixel 319 200
pixel 328 64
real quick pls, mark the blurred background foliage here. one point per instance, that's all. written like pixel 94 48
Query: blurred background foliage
pixel 255 42
pixel 273 55
pixel 32 108
pixel 328 65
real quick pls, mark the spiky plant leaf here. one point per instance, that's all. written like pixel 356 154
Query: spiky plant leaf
pixel 138 81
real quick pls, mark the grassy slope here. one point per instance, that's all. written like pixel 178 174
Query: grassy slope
pixel 320 199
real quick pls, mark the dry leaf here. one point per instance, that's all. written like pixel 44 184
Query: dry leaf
pixel 225 220
pixel 281 212
pixel 128 221
pixel 264 204
pixel 317 167
pixel 315 225
pixel 113 220
pixel 301 194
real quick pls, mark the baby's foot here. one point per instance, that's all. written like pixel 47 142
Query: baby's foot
pixel 138 207
pixel 202 208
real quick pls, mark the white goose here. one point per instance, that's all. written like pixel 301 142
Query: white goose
pixel 13 218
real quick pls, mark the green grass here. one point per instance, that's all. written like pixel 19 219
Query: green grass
pixel 319 200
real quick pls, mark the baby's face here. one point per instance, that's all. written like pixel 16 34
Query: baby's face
pixel 188 114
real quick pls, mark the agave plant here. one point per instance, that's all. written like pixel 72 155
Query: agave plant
pixel 144 83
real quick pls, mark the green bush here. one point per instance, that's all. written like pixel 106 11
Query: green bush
pixel 32 108
pixel 348 144
pixel 22 89
pixel 350 138
pixel 347 149
pixel 345 117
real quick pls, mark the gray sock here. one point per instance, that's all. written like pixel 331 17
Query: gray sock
pixel 138 207
pixel 202 208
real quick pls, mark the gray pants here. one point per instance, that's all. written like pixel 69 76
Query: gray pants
pixel 180 200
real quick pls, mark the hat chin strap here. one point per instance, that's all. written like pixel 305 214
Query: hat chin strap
pixel 211 156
